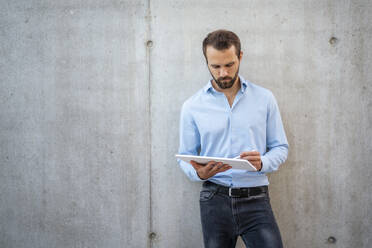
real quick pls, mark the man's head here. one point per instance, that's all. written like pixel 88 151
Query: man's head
pixel 222 52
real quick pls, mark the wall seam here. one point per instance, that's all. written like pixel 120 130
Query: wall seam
pixel 148 62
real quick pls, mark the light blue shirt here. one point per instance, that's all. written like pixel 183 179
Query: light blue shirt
pixel 210 127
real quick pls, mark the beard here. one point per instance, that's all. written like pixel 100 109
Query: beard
pixel 223 84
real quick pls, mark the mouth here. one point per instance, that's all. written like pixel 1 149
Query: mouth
pixel 225 79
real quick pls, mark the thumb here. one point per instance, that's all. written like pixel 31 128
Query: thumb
pixel 195 164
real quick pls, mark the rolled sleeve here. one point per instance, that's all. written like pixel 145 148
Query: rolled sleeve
pixel 276 140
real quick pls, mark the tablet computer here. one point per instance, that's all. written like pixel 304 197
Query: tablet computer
pixel 235 163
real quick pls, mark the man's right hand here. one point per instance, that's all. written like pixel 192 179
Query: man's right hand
pixel 210 169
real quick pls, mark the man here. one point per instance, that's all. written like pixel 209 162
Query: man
pixel 232 117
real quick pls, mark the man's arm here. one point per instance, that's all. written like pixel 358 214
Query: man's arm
pixel 276 140
pixel 190 145
pixel 189 142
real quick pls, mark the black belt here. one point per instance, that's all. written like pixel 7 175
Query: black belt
pixel 236 192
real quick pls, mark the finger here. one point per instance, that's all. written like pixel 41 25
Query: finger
pixel 210 166
pixel 252 158
pixel 211 162
pixel 216 167
pixel 225 167
pixel 199 164
pixel 248 153
pixel 215 170
pixel 256 164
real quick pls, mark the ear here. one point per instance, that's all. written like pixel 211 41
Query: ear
pixel 240 56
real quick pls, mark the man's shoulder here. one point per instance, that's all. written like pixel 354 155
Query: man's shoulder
pixel 195 99
pixel 259 90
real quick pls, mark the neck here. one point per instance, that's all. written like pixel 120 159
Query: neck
pixel 229 93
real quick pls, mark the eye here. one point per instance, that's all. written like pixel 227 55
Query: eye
pixel 215 66
pixel 230 64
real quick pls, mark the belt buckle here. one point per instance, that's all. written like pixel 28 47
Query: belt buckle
pixel 231 195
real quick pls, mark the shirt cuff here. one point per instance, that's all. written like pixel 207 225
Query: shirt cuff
pixel 265 164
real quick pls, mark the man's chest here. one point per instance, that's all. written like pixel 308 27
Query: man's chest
pixel 219 119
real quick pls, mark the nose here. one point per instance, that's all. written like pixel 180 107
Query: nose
pixel 223 72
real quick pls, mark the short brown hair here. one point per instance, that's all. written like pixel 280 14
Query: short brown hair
pixel 221 39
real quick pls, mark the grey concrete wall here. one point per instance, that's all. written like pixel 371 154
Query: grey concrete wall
pixel 74 124
pixel 89 118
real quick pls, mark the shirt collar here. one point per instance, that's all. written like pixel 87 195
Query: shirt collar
pixel 209 87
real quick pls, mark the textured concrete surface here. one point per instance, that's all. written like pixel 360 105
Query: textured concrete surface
pixel 74 124
pixel 89 118
pixel 324 92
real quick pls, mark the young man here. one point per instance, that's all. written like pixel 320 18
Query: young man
pixel 229 117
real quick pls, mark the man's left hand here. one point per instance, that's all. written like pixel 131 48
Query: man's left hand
pixel 254 157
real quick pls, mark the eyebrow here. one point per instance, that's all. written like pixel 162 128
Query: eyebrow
pixel 231 63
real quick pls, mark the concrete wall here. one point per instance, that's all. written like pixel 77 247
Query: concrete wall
pixel 89 118
pixel 75 136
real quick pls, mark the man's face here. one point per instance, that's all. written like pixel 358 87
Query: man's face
pixel 223 66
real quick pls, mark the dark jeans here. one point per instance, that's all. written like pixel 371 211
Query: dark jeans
pixel 224 218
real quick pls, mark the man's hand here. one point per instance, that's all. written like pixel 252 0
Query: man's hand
pixel 254 157
pixel 210 169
